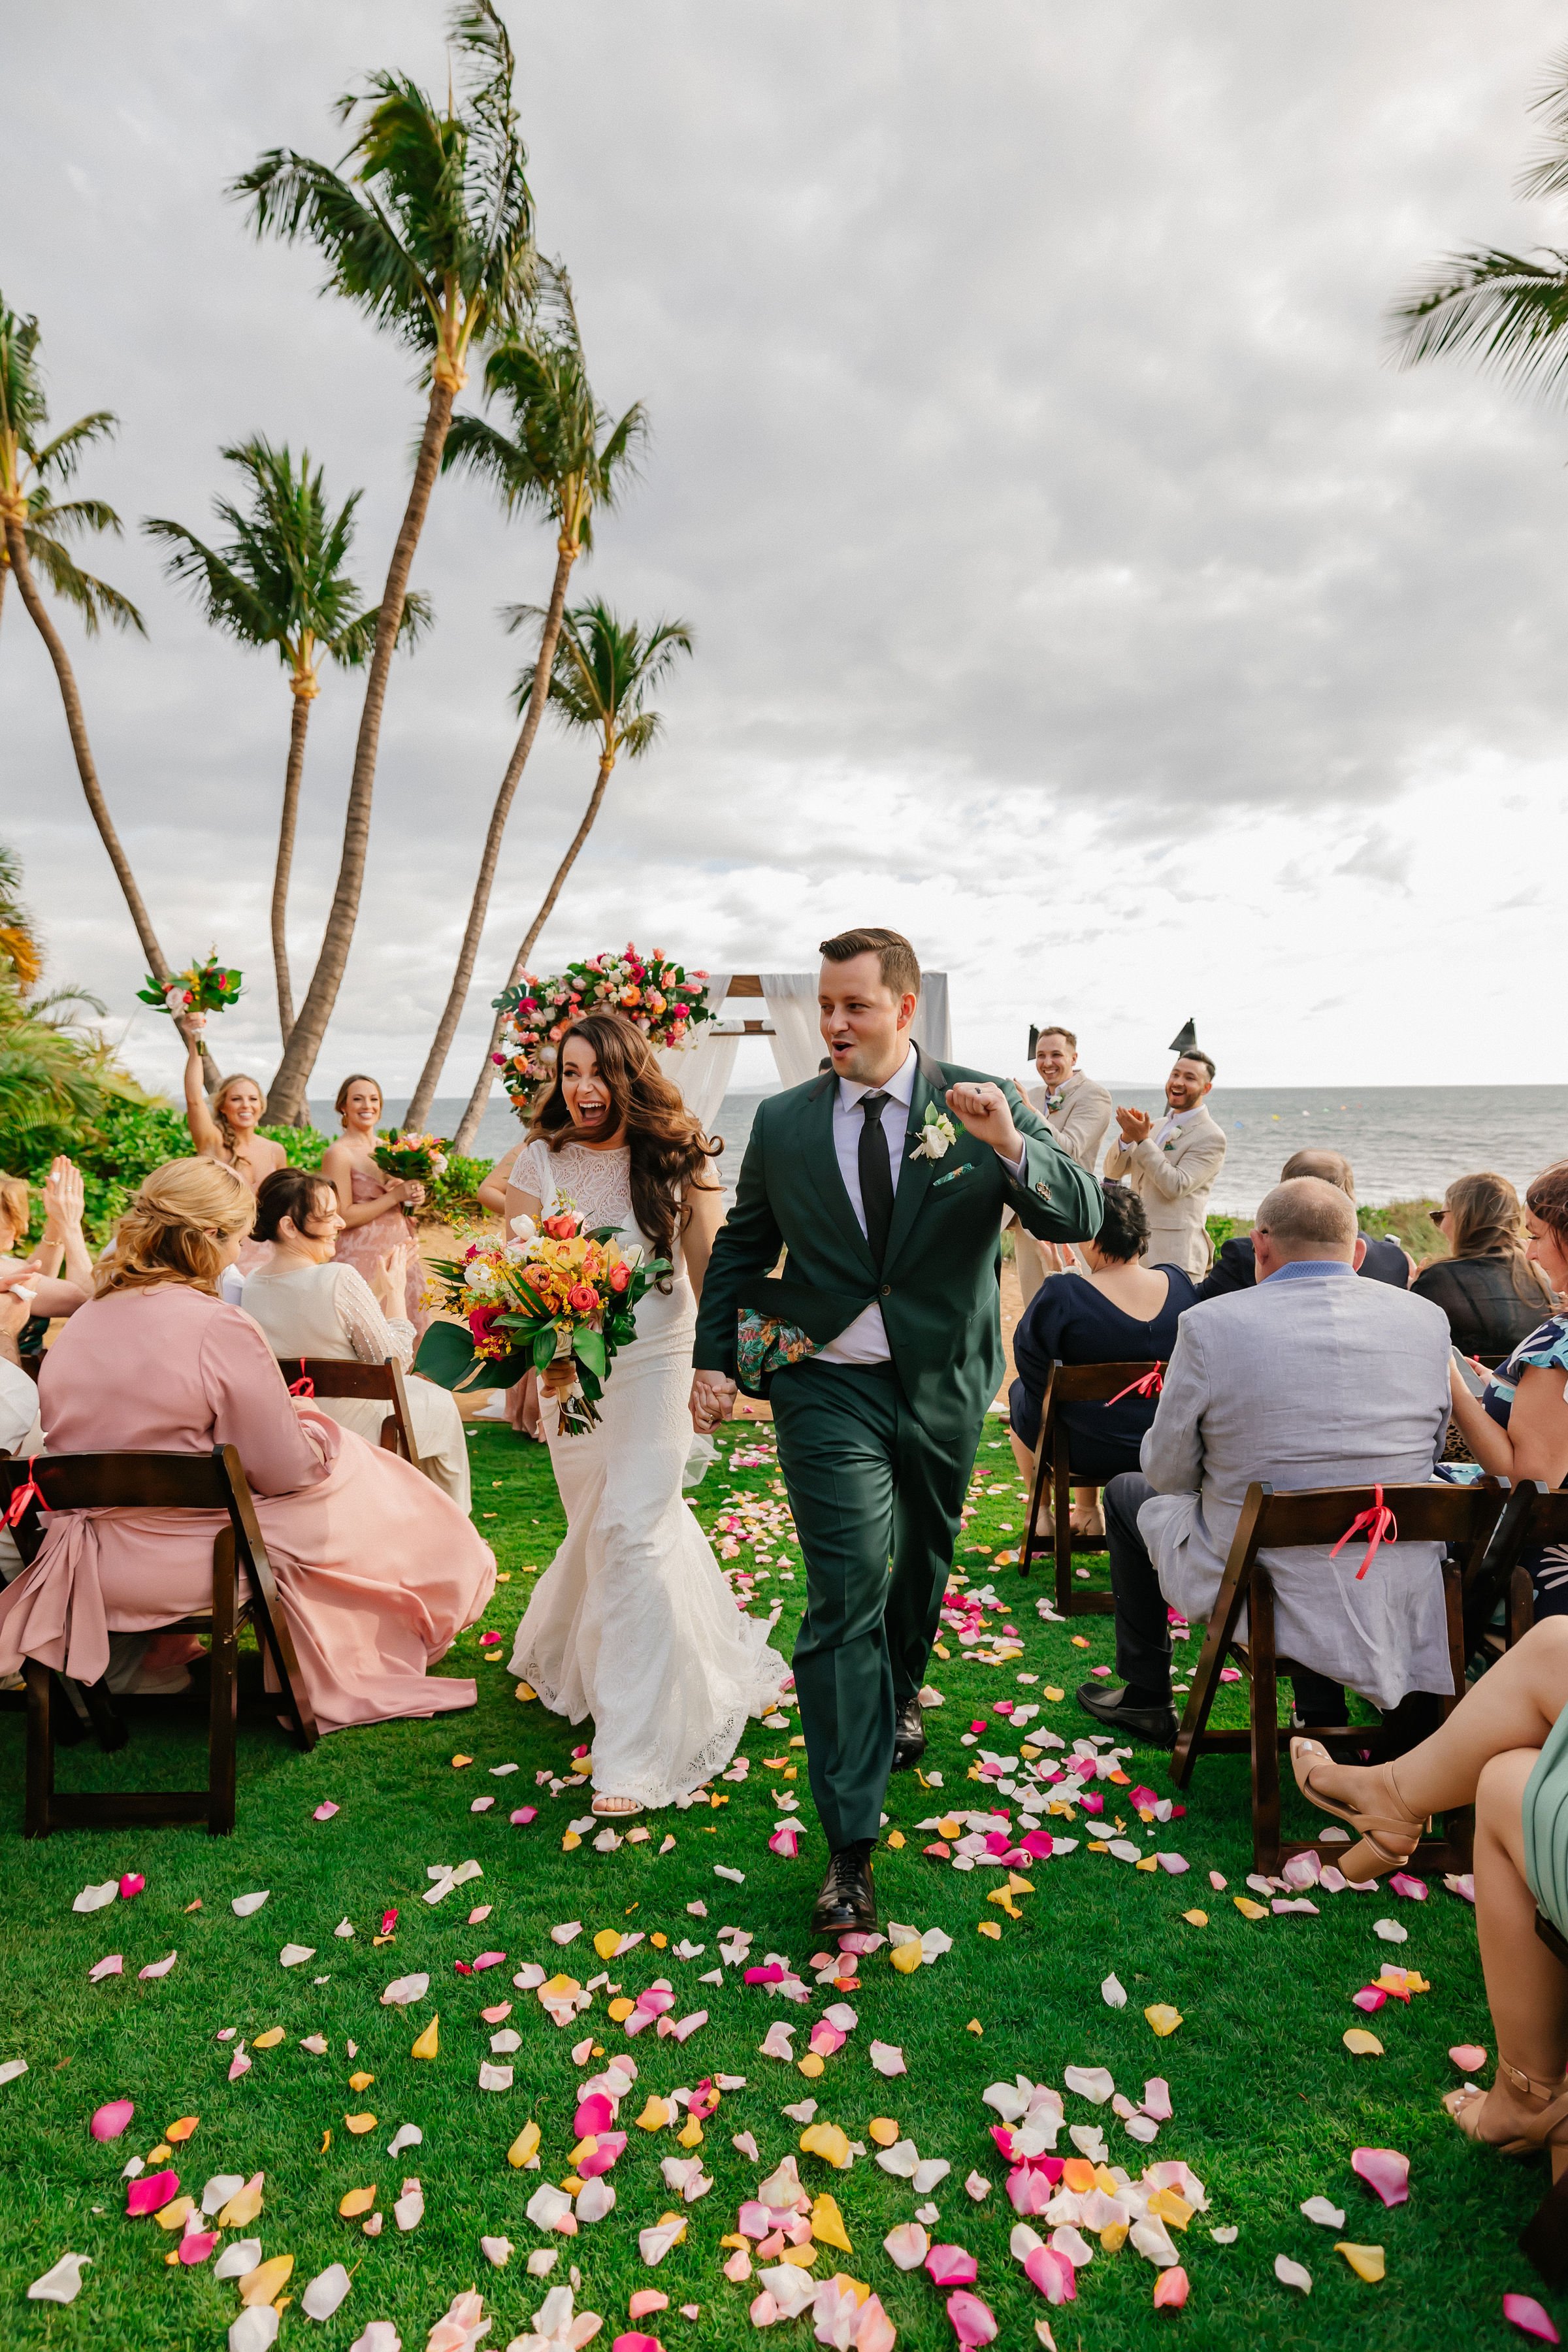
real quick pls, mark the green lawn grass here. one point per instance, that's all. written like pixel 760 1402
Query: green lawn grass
pixel 1268 2105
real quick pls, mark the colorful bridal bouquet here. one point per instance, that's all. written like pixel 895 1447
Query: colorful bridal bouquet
pixel 207 987
pixel 658 997
pixel 554 1298
pixel 415 1158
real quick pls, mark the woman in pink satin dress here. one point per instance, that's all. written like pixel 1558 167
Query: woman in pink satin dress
pixel 373 1206
pixel 377 1570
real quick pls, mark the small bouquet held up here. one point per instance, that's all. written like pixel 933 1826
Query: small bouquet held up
pixel 209 987
pixel 656 995
pixel 552 1299
pixel 415 1158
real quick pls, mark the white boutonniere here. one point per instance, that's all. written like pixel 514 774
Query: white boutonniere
pixel 936 1137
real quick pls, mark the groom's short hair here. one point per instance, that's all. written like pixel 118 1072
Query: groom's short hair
pixel 896 960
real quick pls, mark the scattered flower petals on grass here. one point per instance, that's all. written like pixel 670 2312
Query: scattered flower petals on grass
pixel 1367 2262
pixel 1385 2171
pixel 973 2322
pixel 63 2283
pixel 243 1905
pixel 1289 2274
pixel 1171 2289
pixel 1327 2216
pixel 1522 2311
pixel 1468 2057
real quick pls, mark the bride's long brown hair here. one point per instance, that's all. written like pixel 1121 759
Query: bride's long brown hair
pixel 668 1149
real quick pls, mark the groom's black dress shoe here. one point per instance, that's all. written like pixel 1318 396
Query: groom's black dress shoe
pixel 1155 1726
pixel 846 1899
pixel 910 1734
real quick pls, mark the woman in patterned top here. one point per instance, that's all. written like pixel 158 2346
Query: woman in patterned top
pixel 1518 1427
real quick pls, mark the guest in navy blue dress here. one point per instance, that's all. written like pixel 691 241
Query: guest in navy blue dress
pixel 1121 1311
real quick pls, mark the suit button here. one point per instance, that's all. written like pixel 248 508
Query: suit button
pixel 887 1290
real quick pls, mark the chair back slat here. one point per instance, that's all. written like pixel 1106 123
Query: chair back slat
pixel 98 1482
pixel 332 1376
pixel 1425 1513
pixel 1098 1384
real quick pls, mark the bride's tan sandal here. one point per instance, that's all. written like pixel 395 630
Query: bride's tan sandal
pixel 1387 1840
pixel 614 1809
pixel 1541 2130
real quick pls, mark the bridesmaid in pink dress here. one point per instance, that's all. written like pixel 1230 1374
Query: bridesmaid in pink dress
pixel 373 1206
pixel 377 1570
pixel 224 1130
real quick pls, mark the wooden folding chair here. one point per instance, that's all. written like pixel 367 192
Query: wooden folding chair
pixel 163 1482
pixel 327 1376
pixel 1462 1518
pixel 1071 1385
pixel 1534 1514
pixel 1544 2237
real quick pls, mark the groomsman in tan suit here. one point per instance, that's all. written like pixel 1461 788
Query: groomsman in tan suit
pixel 1076 1110
pixel 1172 1167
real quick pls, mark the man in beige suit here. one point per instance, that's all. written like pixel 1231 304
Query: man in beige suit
pixel 1172 1167
pixel 1076 1110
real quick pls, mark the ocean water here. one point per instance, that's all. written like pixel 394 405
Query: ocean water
pixel 1404 1142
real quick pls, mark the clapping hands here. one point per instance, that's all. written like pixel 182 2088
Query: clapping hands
pixel 1135 1125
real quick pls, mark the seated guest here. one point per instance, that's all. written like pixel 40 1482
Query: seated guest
pixel 1172 1167
pixel 1504 1749
pixel 1487 1285
pixel 1377 1257
pixel 1312 1379
pixel 1123 1312
pixel 377 1570
pixel 309 1304
pixel 1518 1428
pixel 1076 1110
pixel 61 1251
pixel 20 1433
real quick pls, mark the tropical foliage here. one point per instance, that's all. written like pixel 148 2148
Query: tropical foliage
pixel 604 673
pixel 280 581
pixel 1508 310
pixel 562 458
pixel 432 237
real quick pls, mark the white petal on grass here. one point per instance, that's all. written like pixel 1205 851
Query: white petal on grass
pixel 244 1904
pixel 62 2283
pixel 1289 2274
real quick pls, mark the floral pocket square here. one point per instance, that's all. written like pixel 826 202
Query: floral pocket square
pixel 953 1175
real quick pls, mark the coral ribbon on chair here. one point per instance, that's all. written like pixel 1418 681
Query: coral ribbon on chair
pixel 25 1494
pixel 1377 1525
pixel 304 1386
pixel 1150 1385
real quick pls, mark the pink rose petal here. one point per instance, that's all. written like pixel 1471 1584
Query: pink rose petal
pixel 132 1884
pixel 1468 2057
pixel 1171 2289
pixel 972 2320
pixel 1370 1997
pixel 763 2313
pixel 1029 2189
pixel 1385 2171
pixel 111 2121
pixel 907 2246
pixel 488 1960
pixel 240 2064
pixel 324 1813
pixel 153 2191
pixel 1413 1889
pixel 647 2299
pixel 524 1813
pixel 114 1966
pixel 1523 2312
pixel 197 2245
pixel 953 2266
pixel 1052 2273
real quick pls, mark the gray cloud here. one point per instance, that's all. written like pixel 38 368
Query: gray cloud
pixel 1026 457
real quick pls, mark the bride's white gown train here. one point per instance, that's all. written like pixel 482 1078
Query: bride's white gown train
pixel 632 1622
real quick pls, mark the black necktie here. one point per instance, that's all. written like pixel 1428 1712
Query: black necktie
pixel 876 1177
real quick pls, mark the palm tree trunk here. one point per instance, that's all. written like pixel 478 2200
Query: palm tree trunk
pixel 470 1124
pixel 304 692
pixel 424 1094
pixel 287 1093
pixel 28 589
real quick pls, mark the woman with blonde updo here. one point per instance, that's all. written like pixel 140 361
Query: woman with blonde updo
pixel 377 1569
pixel 224 1130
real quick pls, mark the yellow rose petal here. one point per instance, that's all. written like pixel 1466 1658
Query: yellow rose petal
pixel 1162 2018
pixel 907 1957
pixel 183 2129
pixel 607 1943
pixel 803 2257
pixel 1196 1918
pixel 827 2224
pixel 1360 2043
pixel 174 2215
pixel 458 1762
pixel 265 2281
pixel 355 2202
pixel 690 2132
pixel 525 1691
pixel 242 2207
pixel 1365 2261
pixel 1052 1693
pixel 895 1839
pixel 883 2129
pixel 1247 1908
pixel 359 2125
pixel 570 1840
pixel 975 2026
pixel 525 2145
pixel 270 2040
pixel 810 2065
pixel 622 2008
pixel 654 2116
pixel 988 1927
pixel 429 2042
pixel 361 2081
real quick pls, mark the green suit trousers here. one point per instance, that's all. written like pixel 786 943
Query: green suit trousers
pixel 877 1503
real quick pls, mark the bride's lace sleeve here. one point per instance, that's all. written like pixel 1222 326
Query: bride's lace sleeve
pixel 372 1335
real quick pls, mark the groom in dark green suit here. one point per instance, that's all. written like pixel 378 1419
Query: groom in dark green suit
pixel 856 1284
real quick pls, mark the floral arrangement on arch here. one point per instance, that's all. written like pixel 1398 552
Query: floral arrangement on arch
pixel 209 987
pixel 656 995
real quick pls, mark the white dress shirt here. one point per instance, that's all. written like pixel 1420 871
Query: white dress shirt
pixel 865 1341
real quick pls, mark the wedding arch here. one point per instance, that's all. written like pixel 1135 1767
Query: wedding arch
pixel 702 1069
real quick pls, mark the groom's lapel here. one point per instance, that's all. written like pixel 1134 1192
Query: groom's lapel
pixel 821 1163
pixel 915 1175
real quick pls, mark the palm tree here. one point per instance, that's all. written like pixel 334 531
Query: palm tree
pixel 604 673
pixel 33 526
pixel 439 250
pixel 18 940
pixel 280 582
pixel 562 459
pixel 1508 309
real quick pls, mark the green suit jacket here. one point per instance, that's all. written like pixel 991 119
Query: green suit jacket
pixel 939 1287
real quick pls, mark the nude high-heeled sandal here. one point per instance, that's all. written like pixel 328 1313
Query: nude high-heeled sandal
pixel 1388 1841
pixel 1465 2105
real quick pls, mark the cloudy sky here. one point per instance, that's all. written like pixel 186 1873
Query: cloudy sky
pixel 1076 583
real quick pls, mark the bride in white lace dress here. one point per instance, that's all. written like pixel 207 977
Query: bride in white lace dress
pixel 633 1623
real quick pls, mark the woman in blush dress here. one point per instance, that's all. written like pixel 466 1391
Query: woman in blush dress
pixel 373 1206
pixel 309 1304
pixel 633 1623
pixel 377 1570
pixel 224 1130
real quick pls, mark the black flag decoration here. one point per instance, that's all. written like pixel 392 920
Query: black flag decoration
pixel 1033 1040
pixel 1186 1040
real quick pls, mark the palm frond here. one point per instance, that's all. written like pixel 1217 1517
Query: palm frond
pixel 1506 310
pixel 1547 174
pixel 229 601
pixel 76 514
pixel 23 408
pixel 94 599
pixel 635 738
pixel 63 455
pixel 293 197
pixel 351 649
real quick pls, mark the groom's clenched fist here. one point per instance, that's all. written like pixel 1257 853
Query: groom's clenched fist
pixel 983 1109
pixel 712 1401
